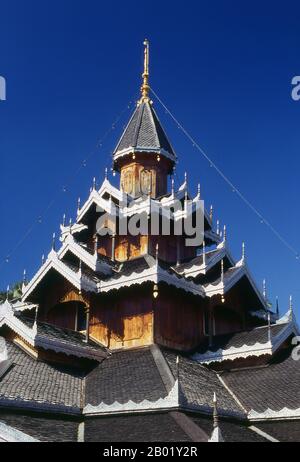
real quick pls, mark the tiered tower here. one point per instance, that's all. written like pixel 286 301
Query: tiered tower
pixel 127 291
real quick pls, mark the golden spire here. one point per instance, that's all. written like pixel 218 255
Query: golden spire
pixel 145 89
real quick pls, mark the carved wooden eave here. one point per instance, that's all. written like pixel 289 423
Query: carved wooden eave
pixel 131 207
pixel 171 401
pixel 140 150
pixel 31 336
pixel 108 188
pixel 77 279
pixel 8 318
pixel 268 348
pixel 174 400
pixel 232 277
pixel 90 260
pixel 154 274
pixel 76 228
pixel 147 204
pixel 95 199
pixel 20 306
pixel 195 270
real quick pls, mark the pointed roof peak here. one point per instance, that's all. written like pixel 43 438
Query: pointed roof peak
pixel 144 134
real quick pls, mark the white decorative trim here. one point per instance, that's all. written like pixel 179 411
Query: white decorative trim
pixel 258 349
pixel 246 351
pixel 270 414
pixel 77 279
pixel 12 435
pixel 3 351
pixel 141 149
pixel 91 260
pixel 153 274
pixel 197 269
pixel 107 187
pixel 148 275
pixel 170 401
pixel 8 318
pixel 31 336
pixel 67 349
pixel 73 229
pixel 231 279
pixel 21 306
pixel 180 283
pixel 95 198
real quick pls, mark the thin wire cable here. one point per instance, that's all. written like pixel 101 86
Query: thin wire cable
pixel 228 181
pixel 66 186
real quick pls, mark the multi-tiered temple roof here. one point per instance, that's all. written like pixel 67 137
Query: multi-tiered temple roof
pixel 123 337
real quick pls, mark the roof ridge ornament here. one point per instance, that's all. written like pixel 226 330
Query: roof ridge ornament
pixel 24 280
pixel 291 308
pixel 145 89
pixel 53 241
pixel 216 436
pixel 243 253
pixel 265 289
pixel 277 308
pixel 211 213
pixel 224 234
pixel 289 316
pixel 173 187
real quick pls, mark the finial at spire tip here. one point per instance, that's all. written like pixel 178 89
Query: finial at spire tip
pixel 145 89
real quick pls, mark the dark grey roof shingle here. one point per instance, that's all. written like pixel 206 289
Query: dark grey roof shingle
pixel 232 432
pixel 144 131
pixel 198 384
pixel 43 428
pixel 240 339
pixel 275 386
pixel 125 375
pixel 31 383
pixel 67 336
pixel 198 261
pixel 286 431
pixel 158 427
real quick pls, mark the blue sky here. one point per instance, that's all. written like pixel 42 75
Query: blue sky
pixel 224 68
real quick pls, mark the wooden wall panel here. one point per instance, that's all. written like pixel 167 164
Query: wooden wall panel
pixel 178 320
pixel 122 321
pixel 63 315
